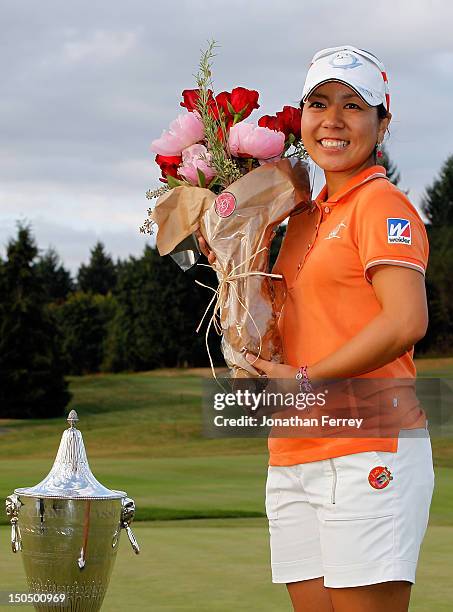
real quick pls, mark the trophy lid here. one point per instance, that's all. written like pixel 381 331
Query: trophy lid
pixel 70 476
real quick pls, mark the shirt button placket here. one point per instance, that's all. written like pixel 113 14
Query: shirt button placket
pixel 310 244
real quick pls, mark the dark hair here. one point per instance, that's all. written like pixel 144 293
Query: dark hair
pixel 382 112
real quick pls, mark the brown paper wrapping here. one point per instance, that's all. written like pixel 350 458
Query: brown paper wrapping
pixel 248 311
pixel 177 214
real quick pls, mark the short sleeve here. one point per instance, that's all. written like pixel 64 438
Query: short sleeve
pixel 390 231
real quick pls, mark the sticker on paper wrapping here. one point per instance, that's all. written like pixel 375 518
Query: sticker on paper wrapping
pixel 225 204
pixel 379 477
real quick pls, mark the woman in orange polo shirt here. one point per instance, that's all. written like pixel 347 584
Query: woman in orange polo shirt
pixel 347 515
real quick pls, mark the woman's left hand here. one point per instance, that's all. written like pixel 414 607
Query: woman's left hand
pixel 270 368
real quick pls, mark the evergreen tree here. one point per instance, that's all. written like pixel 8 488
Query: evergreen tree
pixel 392 171
pixel 439 281
pixel 32 383
pixel 159 308
pixel 99 276
pixel 135 334
pixel 437 203
pixel 54 278
pixel 83 320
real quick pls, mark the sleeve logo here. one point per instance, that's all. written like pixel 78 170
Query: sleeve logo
pixel 399 230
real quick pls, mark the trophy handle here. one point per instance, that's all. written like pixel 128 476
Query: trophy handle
pixel 132 539
pixel 127 516
pixel 13 505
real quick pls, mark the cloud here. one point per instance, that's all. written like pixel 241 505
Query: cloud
pixel 73 244
pixel 99 46
pixel 87 86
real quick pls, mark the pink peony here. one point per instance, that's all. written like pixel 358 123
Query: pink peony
pixel 196 156
pixel 250 140
pixel 185 130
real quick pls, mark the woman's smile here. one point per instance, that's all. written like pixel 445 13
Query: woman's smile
pixel 333 144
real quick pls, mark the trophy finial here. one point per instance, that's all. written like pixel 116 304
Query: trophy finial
pixel 72 418
pixel 70 476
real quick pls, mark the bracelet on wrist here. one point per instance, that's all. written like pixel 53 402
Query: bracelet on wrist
pixel 303 380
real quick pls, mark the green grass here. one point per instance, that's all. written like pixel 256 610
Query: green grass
pixel 198 487
pixel 127 415
pixel 435 367
pixel 194 487
pixel 223 565
pixel 143 435
pixel 152 414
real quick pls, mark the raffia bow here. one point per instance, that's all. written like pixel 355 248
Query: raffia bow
pixel 226 281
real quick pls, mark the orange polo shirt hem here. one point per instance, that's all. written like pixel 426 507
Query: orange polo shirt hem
pixel 335 448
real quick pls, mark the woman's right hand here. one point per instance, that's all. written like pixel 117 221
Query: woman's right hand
pixel 204 247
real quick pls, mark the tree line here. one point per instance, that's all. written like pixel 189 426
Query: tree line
pixel 141 313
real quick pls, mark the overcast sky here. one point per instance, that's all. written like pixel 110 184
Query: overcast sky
pixel 87 85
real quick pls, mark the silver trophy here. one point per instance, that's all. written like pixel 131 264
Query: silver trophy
pixel 67 529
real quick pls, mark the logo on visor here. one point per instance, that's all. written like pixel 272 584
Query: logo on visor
pixel 399 231
pixel 344 60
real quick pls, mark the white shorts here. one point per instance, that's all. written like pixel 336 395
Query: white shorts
pixel 326 519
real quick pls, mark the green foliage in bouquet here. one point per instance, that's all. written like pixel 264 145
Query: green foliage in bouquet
pixel 227 170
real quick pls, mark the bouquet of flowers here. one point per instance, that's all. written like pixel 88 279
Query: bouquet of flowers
pixel 235 182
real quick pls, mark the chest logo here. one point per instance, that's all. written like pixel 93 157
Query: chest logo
pixel 335 233
pixel 399 231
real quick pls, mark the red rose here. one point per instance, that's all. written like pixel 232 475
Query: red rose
pixel 235 106
pixel 238 104
pixel 244 101
pixel 191 96
pixel 268 121
pixel 288 121
pixel 168 165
